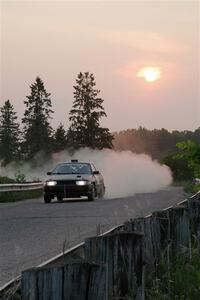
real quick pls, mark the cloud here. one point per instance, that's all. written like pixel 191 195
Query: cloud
pixel 144 40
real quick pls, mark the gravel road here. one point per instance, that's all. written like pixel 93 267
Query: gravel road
pixel 32 232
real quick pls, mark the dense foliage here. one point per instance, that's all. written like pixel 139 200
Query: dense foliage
pixel 189 151
pixel 185 162
pixel 180 280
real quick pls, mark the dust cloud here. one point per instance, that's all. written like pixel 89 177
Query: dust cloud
pixel 125 173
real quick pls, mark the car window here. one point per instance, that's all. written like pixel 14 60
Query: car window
pixel 72 169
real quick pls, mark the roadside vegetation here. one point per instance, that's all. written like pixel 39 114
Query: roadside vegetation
pixel 180 280
pixel 178 277
pixel 20 195
pixel 13 196
pixel 185 165
pixel 5 180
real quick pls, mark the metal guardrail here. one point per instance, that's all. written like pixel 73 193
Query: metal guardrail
pixel 16 187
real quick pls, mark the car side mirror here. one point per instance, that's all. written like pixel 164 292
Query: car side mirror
pixel 96 173
pixel 48 173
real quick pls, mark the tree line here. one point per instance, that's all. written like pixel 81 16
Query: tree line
pixel 158 143
pixel 37 134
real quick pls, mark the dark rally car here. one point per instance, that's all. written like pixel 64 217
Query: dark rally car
pixel 72 180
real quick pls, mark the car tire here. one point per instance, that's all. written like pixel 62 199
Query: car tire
pixel 91 196
pixel 60 199
pixel 47 199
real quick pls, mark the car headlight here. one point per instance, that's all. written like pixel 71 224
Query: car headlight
pixel 51 183
pixel 81 182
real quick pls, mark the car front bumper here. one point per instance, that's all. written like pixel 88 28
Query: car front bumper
pixel 67 191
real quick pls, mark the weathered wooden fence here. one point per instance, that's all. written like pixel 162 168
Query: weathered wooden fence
pixel 122 252
pixel 73 281
pixel 113 267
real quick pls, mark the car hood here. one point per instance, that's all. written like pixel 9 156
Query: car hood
pixel 69 177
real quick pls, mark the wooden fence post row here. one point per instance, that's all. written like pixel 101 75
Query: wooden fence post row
pixel 113 265
pixel 122 252
pixel 74 281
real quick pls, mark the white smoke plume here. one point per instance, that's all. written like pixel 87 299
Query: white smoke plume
pixel 125 173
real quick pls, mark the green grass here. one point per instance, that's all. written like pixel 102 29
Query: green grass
pixel 182 282
pixel 20 195
pixel 4 180
pixel 192 187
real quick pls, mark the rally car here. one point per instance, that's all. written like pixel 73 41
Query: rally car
pixel 72 180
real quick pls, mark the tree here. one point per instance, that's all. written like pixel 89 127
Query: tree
pixel 9 133
pixel 37 129
pixel 190 152
pixel 85 115
pixel 60 139
pixel 179 168
pixel 185 163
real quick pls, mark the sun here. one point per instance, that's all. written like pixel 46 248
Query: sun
pixel 150 74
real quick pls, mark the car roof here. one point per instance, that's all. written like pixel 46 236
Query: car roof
pixel 75 162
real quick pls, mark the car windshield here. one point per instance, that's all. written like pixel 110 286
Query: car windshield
pixel 69 168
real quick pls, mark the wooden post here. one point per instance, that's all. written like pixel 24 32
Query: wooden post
pixel 174 228
pixel 150 227
pixel 29 285
pixel 122 252
pixel 84 281
pixel 79 280
pixel 194 216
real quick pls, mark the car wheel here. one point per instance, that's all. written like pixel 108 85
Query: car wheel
pixel 91 196
pixel 47 199
pixel 60 199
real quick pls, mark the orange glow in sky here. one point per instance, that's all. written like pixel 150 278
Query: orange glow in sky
pixel 149 57
pixel 150 74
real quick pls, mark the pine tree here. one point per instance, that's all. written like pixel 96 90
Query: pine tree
pixel 9 134
pixel 37 129
pixel 85 115
pixel 60 139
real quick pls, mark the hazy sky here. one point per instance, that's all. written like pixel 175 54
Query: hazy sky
pixel 114 40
